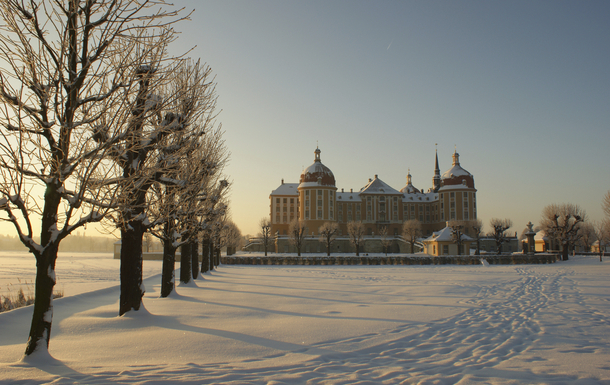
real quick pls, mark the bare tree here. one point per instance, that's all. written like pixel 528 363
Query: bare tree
pixel 386 241
pixel 232 237
pixel 499 227
pixel 355 232
pixel 172 109
pixel 412 230
pixel 458 230
pixel 606 205
pixel 68 77
pixel 328 233
pixel 265 234
pixel 297 232
pixel 176 198
pixel 165 205
pixel 148 241
pixel 477 229
pixel 602 233
pixel 588 236
pixel 563 223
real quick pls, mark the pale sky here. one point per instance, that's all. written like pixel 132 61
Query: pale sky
pixel 521 88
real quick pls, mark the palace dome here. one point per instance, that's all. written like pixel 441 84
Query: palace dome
pixel 317 173
pixel 456 175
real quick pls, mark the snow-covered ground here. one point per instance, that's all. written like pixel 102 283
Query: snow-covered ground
pixel 446 324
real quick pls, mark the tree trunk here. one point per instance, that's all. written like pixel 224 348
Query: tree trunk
pixel 565 251
pixel 412 246
pixel 205 255
pixel 357 250
pixel 216 256
pixel 211 259
pixel 185 263
pixel 40 329
pixel 42 318
pixel 131 268
pixel 168 274
pixel 195 259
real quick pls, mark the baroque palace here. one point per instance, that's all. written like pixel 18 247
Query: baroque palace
pixel 377 205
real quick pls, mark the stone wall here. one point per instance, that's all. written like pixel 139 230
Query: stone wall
pixel 508 259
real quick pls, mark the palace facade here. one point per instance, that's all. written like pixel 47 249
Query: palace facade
pixel 316 199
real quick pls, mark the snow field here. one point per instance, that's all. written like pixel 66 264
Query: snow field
pixel 448 324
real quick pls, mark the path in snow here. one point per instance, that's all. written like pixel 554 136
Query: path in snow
pixel 501 325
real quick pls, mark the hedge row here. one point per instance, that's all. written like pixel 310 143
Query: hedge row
pixel 393 260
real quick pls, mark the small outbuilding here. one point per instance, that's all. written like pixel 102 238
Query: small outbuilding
pixel 442 243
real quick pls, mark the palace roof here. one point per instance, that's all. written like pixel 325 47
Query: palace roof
pixel 286 189
pixel 378 187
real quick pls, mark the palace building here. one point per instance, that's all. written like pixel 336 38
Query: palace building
pixel 316 200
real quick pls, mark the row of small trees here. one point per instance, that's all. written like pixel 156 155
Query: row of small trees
pixel 329 231
pixel 100 123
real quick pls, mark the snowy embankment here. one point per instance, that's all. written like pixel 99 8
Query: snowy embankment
pixel 326 324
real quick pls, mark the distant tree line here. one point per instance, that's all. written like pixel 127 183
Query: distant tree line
pixel 75 243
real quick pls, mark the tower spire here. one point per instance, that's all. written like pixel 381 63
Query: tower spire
pixel 456 157
pixel 436 180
